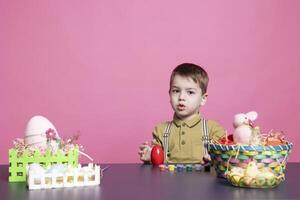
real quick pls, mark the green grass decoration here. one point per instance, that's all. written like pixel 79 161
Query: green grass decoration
pixel 18 164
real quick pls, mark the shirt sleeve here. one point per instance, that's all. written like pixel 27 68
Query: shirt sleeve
pixel 158 134
pixel 216 131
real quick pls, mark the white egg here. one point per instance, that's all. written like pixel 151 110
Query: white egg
pixel 36 169
pixel 35 133
pixel 56 169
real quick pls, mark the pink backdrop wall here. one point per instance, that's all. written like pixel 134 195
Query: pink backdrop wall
pixel 102 67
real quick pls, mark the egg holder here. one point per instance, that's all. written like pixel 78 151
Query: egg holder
pixel 273 158
pixel 89 176
pixel 18 163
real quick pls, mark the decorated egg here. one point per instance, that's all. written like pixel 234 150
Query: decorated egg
pixel 157 155
pixel 37 129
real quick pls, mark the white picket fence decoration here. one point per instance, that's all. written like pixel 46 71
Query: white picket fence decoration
pixel 76 178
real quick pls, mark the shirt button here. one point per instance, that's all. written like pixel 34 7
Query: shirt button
pixel 183 142
pixel 182 132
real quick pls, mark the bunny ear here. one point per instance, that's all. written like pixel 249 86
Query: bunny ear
pixel 252 115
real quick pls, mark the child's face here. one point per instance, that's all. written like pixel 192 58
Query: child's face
pixel 186 97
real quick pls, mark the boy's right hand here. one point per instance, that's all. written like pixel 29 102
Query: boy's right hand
pixel 145 152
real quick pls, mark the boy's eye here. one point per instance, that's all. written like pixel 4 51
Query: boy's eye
pixel 191 92
pixel 175 91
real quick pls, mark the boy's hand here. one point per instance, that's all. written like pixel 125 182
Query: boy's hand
pixel 145 152
pixel 206 159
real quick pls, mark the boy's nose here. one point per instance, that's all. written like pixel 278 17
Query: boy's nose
pixel 182 96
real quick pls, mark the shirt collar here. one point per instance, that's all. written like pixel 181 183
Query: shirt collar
pixel 190 123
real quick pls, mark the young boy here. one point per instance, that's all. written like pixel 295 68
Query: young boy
pixel 184 139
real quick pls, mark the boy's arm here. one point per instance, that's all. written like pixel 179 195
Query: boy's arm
pixel 216 131
pixel 157 136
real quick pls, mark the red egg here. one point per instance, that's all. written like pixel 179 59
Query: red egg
pixel 228 141
pixel 157 155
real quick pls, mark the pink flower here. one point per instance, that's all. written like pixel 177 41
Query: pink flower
pixel 51 134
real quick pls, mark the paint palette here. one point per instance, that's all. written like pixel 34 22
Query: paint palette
pixel 184 167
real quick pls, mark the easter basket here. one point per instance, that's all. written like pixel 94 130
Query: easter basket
pixel 272 158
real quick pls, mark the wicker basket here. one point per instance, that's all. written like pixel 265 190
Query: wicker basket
pixel 225 157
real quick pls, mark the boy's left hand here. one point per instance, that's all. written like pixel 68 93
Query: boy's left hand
pixel 206 159
pixel 145 152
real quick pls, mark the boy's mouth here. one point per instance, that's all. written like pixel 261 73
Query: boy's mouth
pixel 181 107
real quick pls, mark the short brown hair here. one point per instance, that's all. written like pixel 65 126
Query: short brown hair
pixel 197 73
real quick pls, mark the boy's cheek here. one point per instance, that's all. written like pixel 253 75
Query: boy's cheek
pixel 172 101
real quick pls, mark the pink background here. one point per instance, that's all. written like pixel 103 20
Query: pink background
pixel 102 67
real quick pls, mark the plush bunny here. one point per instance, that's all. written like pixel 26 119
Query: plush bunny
pixel 244 130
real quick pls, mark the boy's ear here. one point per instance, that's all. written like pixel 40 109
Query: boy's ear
pixel 204 99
